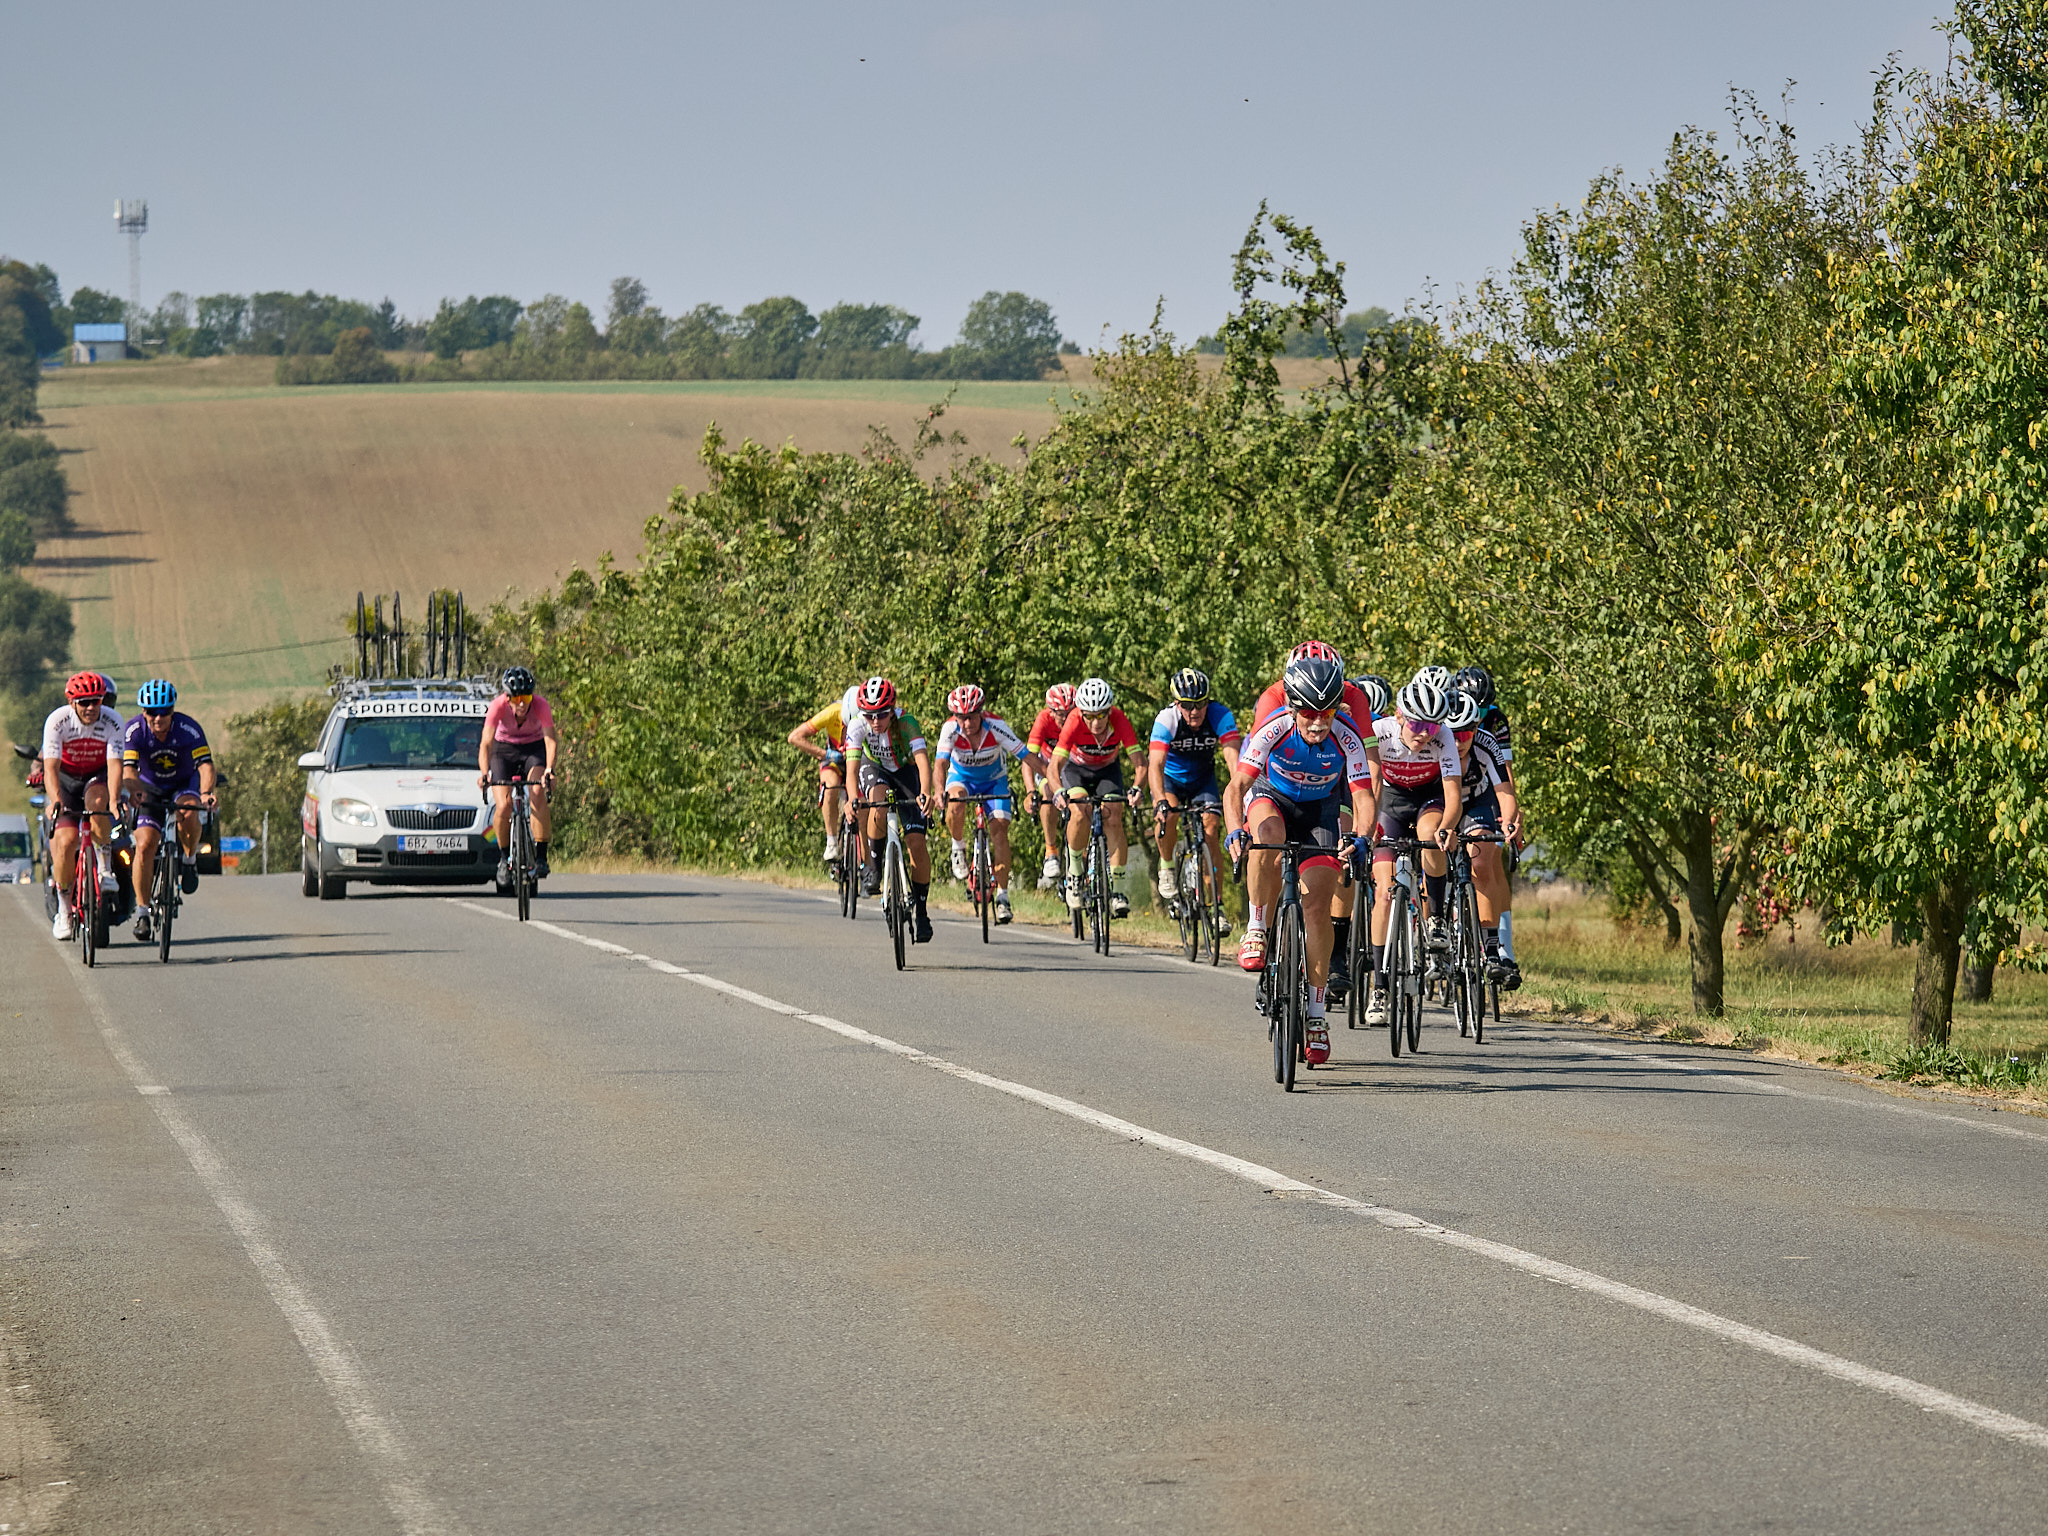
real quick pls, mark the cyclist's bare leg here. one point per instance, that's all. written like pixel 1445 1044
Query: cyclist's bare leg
pixel 146 841
pixel 920 855
pixel 1318 885
pixel 537 805
pixel 1169 831
pixel 1113 828
pixel 1077 822
pixel 501 817
pixel 1436 864
pixel 1214 822
pixel 956 811
pixel 999 850
pixel 1383 898
pixel 828 799
pixel 1049 818
pixel 64 857
pixel 188 828
pixel 1262 869
pixel 1340 899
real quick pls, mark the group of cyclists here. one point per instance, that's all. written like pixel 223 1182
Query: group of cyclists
pixel 1345 766
pixel 93 761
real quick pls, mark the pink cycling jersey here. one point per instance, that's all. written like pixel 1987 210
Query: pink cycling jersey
pixel 500 724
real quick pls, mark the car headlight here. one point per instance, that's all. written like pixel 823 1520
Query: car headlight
pixel 356 813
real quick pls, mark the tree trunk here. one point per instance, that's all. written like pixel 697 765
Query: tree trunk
pixel 1943 911
pixel 1647 867
pixel 1977 980
pixel 1709 958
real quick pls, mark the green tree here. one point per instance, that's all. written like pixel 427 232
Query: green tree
pixel 773 339
pixel 864 341
pixel 17 540
pixel 89 306
pixel 1627 416
pixel 260 768
pixel 219 321
pixel 1007 336
pixel 697 341
pixel 27 334
pixel 1905 648
pixel 31 482
pixel 35 634
pixel 357 359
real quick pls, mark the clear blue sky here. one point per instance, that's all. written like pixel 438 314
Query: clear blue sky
pixel 1097 156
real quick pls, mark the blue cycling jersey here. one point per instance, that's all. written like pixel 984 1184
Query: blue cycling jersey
pixel 1304 770
pixel 1191 748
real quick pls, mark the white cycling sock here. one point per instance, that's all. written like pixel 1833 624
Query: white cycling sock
pixel 959 845
pixel 1317 1006
pixel 1507 934
pixel 64 902
pixel 1256 923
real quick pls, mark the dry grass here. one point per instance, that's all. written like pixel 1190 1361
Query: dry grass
pixel 232 517
pixel 1787 995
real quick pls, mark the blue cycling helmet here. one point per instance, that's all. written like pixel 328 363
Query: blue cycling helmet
pixel 156 694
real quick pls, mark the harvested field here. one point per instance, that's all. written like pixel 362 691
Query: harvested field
pixel 219 514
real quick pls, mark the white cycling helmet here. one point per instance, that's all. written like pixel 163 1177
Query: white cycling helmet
pixel 1464 711
pixel 1094 697
pixel 1440 677
pixel 1423 702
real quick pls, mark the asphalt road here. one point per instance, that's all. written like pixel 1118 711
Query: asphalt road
pixel 687 1212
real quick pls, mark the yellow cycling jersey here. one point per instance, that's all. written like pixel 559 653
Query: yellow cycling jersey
pixel 830 722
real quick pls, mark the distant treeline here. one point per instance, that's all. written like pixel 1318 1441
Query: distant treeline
pixel 1005 336
pixel 35 624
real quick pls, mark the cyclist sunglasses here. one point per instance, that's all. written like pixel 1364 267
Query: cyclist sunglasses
pixel 1314 716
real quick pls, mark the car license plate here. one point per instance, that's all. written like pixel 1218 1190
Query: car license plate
pixel 435 842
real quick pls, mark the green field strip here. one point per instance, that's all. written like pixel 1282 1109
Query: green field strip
pixel 916 393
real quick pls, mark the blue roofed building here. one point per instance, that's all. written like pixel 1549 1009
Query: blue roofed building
pixel 99 343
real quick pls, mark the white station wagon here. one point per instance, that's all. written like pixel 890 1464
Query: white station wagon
pixel 391 793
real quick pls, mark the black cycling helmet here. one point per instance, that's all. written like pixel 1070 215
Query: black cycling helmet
pixel 1478 682
pixel 1190 685
pixel 1379 693
pixel 518 680
pixel 1314 682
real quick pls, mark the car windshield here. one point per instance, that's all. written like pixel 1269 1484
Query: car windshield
pixel 411 741
pixel 13 845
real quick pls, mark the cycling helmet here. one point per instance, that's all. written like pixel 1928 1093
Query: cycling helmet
pixel 156 694
pixel 518 680
pixel 1059 698
pixel 110 691
pixel 877 696
pixel 1314 682
pixel 1478 682
pixel 81 686
pixel 1094 697
pixel 1190 685
pixel 1317 649
pixel 1439 677
pixel 964 700
pixel 1464 711
pixel 1379 693
pixel 1423 701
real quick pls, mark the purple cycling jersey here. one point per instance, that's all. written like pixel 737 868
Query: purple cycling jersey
pixel 173 762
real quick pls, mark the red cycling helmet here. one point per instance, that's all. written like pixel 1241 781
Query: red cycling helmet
pixel 964 700
pixel 877 695
pixel 1316 650
pixel 85 685
pixel 1059 698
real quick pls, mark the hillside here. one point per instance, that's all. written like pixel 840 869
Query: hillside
pixel 226 524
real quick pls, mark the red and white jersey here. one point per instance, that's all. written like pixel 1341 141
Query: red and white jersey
pixel 1412 767
pixel 82 748
pixel 984 750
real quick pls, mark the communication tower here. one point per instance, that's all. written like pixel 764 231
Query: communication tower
pixel 131 218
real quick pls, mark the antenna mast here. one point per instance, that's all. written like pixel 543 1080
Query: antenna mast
pixel 131 218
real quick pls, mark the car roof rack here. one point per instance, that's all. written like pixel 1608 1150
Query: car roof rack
pixel 428 663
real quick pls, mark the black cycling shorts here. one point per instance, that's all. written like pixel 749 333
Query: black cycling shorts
pixel 1401 808
pixel 904 782
pixel 516 759
pixel 71 795
pixel 1093 780
pixel 1482 815
pixel 1307 821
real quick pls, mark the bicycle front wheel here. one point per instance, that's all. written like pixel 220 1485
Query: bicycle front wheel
pixel 85 910
pixel 166 904
pixel 1098 858
pixel 896 903
pixel 1288 986
pixel 522 857
pixel 1187 907
pixel 1400 968
pixel 984 881
pixel 1411 1013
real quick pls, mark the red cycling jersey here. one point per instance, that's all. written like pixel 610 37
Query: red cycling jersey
pixel 1355 705
pixel 1045 732
pixel 1091 750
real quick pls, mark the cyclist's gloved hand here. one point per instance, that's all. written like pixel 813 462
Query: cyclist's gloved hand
pixel 1236 841
pixel 1361 851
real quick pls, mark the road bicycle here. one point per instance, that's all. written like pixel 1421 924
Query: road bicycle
pixel 523 865
pixel 1467 978
pixel 1283 985
pixel 981 864
pixel 897 911
pixel 1361 941
pixel 91 907
pixel 1095 882
pixel 165 899
pixel 852 855
pixel 1198 909
pixel 1407 962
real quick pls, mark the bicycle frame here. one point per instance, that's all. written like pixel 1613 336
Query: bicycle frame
pixel 1405 967
pixel 1198 908
pixel 1096 900
pixel 1283 984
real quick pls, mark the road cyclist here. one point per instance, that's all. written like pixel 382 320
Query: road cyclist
pixel 1290 781
pixel 886 746
pixel 164 752
pixel 1492 809
pixel 975 749
pixel 1422 795
pixel 1093 746
pixel 1186 736
pixel 79 739
pixel 519 742
pixel 823 737
pixel 1045 735
pixel 1360 709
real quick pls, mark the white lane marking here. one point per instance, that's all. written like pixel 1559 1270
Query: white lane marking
pixel 1755 1085
pixel 376 1437
pixel 1929 1399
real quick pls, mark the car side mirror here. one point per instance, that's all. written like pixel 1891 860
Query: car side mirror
pixel 312 760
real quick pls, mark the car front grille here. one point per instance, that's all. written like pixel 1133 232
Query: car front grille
pixel 439 818
pixel 400 859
